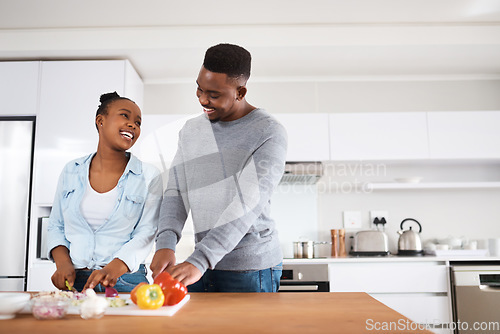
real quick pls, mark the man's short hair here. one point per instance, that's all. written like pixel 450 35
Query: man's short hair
pixel 229 59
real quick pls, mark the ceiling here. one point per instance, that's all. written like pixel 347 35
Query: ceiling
pixel 289 40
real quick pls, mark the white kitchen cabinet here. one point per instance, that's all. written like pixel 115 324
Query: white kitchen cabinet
pixel 431 310
pixel 464 135
pixel 378 136
pixel 39 278
pixel 19 88
pixel 69 97
pixel 418 290
pixel 308 136
pixel 433 185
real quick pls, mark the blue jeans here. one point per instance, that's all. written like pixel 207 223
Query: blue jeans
pixel 125 283
pixel 266 280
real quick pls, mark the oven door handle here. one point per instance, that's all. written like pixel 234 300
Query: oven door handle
pixel 299 287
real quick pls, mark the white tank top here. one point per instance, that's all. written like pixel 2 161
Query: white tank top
pixel 97 207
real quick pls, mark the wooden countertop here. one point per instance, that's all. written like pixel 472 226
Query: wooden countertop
pixel 334 312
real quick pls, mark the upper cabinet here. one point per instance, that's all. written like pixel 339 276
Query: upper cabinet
pixel 308 136
pixel 19 88
pixel 464 135
pixel 392 136
pixel 378 136
pixel 69 97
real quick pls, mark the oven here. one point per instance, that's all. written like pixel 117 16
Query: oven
pixel 305 278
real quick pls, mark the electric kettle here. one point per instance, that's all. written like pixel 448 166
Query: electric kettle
pixel 409 243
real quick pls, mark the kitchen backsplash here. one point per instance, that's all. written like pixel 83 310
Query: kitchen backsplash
pixel 461 212
pixel 295 210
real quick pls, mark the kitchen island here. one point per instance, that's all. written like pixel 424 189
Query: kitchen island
pixel 348 312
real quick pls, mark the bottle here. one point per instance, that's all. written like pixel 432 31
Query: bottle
pixel 335 237
pixel 342 251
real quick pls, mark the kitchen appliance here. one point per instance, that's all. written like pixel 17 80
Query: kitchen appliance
pixel 302 172
pixel 16 152
pixel 307 249
pixel 476 297
pixel 371 242
pixel 305 278
pixel 409 243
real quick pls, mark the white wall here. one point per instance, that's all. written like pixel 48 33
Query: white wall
pixel 463 213
pixel 472 213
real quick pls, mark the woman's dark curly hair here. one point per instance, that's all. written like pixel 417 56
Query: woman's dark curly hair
pixel 106 100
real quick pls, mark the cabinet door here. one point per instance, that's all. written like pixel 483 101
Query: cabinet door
pixel 378 136
pixel 308 136
pixel 157 144
pixel 19 87
pixel 423 309
pixel 464 135
pixel 39 276
pixel 405 277
pixel 69 98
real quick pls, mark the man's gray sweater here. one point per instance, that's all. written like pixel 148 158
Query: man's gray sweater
pixel 225 173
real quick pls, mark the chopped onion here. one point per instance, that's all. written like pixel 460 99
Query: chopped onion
pixel 93 307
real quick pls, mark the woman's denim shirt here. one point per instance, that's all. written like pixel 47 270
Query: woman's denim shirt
pixel 127 234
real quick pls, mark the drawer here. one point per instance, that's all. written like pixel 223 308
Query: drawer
pixel 388 277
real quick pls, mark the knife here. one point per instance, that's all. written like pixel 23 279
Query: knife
pixel 70 288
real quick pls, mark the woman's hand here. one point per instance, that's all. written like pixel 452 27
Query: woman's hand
pixel 163 259
pixel 65 270
pixel 62 274
pixel 108 275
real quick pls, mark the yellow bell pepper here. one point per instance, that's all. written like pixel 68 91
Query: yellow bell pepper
pixel 150 297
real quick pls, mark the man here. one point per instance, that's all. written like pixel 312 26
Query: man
pixel 228 163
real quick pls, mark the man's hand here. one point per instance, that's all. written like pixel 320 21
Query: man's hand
pixel 108 275
pixel 185 272
pixel 163 259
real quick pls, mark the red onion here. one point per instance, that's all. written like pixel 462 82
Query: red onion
pixel 111 292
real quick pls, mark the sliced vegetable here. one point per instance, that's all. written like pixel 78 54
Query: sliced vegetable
pixel 116 302
pixel 173 290
pixel 93 307
pixel 133 293
pixel 110 292
pixel 150 296
pixel 49 307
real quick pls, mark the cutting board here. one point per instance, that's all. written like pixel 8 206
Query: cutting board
pixel 130 309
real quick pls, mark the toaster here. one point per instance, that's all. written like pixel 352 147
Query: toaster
pixel 370 243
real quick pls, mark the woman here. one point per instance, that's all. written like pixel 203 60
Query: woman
pixel 106 208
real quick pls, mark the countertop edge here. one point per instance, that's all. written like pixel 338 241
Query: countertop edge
pixel 389 259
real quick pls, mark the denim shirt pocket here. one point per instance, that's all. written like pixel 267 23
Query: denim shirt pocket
pixel 66 197
pixel 133 206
